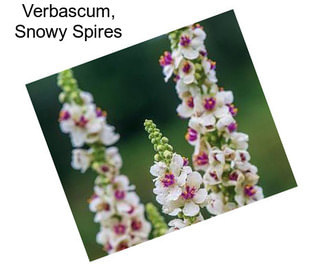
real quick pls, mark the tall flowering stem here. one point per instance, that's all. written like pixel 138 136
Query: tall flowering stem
pixel 115 203
pixel 177 188
pixel 220 151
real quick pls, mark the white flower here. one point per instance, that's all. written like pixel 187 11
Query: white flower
pixel 191 42
pixel 239 140
pixel 169 179
pixel 140 228
pixel 226 123
pixel 209 70
pixel 86 97
pixel 177 224
pixel 247 194
pixel 170 62
pixel 107 135
pixel 192 196
pixel 224 97
pixel 203 124
pixel 81 159
pixel 113 157
pixel 216 205
pixel 101 204
pixel 184 90
pixel 186 108
pixel 80 122
pixel 186 71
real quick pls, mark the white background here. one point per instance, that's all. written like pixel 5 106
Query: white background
pixel 283 232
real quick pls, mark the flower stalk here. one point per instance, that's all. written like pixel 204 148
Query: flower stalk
pixel 115 203
pixel 177 187
pixel 220 151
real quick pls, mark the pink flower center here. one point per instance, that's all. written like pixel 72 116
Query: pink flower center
pixel 166 59
pixel 191 135
pixel 209 103
pixel 119 194
pixel 136 225
pixel 132 208
pixel 123 245
pixel 232 127
pixel 185 161
pixel 104 168
pixel 249 190
pixel 81 122
pixel 185 41
pixel 212 64
pixel 214 175
pixel 107 247
pixel 187 67
pixel 203 53
pixel 100 113
pixel 190 102
pixel 232 109
pixel 189 192
pixel 106 207
pixel 119 228
pixel 243 157
pixel 233 176
pixel 168 180
pixel 64 115
pixel 202 159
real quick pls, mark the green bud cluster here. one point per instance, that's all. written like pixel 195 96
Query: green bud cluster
pixel 157 220
pixel 71 91
pixel 164 151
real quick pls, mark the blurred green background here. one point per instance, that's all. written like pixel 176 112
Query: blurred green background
pixel 129 84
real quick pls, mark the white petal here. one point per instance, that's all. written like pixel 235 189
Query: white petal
pixel 190 53
pixel 108 136
pixel 191 209
pixel 174 193
pixel 194 179
pixel 158 169
pixel 78 137
pixel 200 196
pixel 184 111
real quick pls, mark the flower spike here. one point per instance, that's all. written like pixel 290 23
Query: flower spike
pixel 177 188
pixel 220 151
pixel 115 203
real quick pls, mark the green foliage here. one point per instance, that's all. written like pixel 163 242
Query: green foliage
pixel 157 220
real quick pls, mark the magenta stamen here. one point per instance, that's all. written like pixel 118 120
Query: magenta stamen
pixel 191 135
pixel 119 228
pixel 233 176
pixel 185 41
pixel 232 127
pixel 209 103
pixel 187 67
pixel 166 59
pixel 119 194
pixel 189 193
pixel 64 115
pixel 168 180
pixel 202 159
pixel 190 102
pixel 249 190
pixel 136 225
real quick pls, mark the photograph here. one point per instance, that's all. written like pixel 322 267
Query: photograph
pixel 161 135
